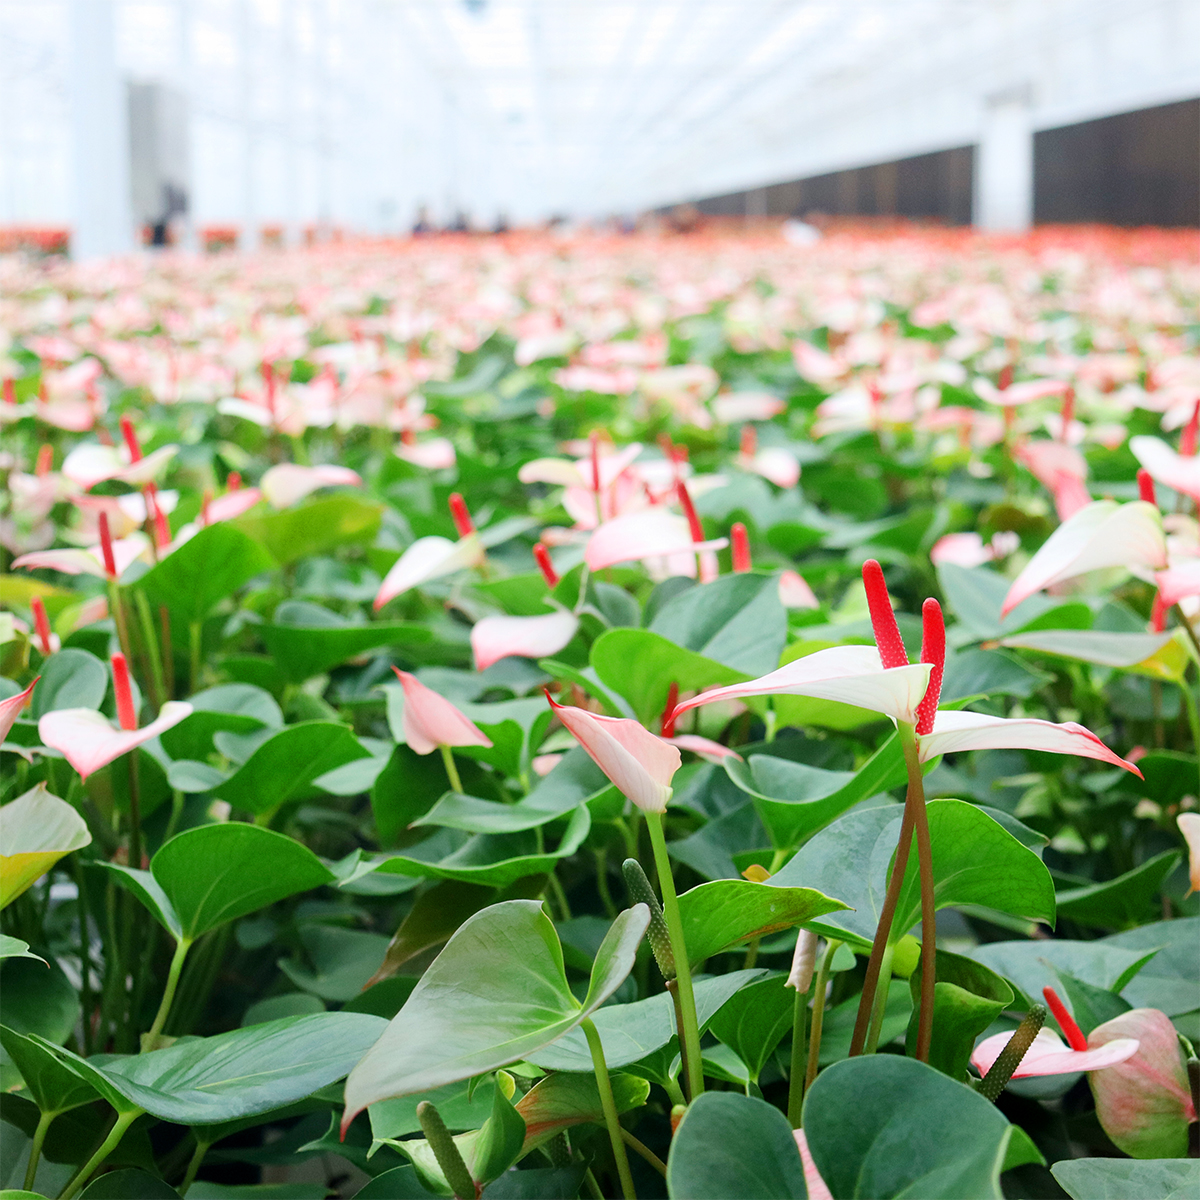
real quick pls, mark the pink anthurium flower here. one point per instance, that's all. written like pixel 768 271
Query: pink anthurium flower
pixel 10 709
pixel 794 591
pixel 436 454
pixel 652 533
pixel 731 407
pixel 125 552
pixel 639 763
pixel 703 747
pixel 494 638
pixel 1178 582
pixel 1047 1055
pixel 89 742
pixel 288 483
pixel 232 504
pixel 1144 1103
pixel 1102 534
pixel 1180 472
pixel 431 721
pixel 1050 1055
pixel 1189 826
pixel 815 1186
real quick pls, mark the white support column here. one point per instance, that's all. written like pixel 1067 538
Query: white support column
pixel 102 221
pixel 248 235
pixel 1004 163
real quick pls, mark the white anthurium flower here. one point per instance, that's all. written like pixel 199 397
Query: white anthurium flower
pixel 957 731
pixel 849 674
pixel 90 464
pixel 653 533
pixel 288 483
pixel 1180 472
pixel 1100 535
pixel 88 741
pixel 426 559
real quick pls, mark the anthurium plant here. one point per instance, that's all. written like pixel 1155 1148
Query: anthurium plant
pixel 546 719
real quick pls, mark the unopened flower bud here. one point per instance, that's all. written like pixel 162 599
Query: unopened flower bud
pixel 1144 1103
pixel 804 962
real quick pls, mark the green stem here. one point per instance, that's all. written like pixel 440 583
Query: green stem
pixel 916 787
pixel 35 1147
pixel 880 1005
pixel 150 637
pixel 1181 617
pixel 193 1166
pixel 195 640
pixel 640 1148
pixel 751 954
pixel 135 812
pixel 117 608
pixel 610 1109
pixel 1189 704
pixel 110 1143
pixel 602 883
pixel 687 1001
pixel 593 1187
pixel 164 1009
pixel 818 1017
pixel 85 958
pixel 560 896
pixel 451 769
pixel 799 1060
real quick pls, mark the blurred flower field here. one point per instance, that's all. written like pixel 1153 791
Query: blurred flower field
pixel 502 716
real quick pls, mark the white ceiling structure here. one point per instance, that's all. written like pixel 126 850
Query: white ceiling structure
pixel 357 112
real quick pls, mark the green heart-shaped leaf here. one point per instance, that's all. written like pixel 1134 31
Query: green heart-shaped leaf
pixel 975 861
pixel 881 1126
pixel 967 998
pixel 203 1081
pixel 726 912
pixel 497 993
pixel 1128 1179
pixel 194 579
pixel 730 1145
pixel 283 768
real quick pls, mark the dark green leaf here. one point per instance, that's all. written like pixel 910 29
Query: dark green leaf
pixel 217 873
pixel 496 993
pixel 754 1020
pixel 304 651
pixel 726 912
pixel 195 578
pixel 881 1126
pixel 967 998
pixel 1171 978
pixel 284 767
pixel 1126 900
pixel 313 528
pixel 734 1146
pixel 71 678
pixel 53 1086
pixel 1128 1179
pixel 128 1184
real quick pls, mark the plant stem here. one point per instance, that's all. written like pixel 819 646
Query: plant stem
pixel 168 652
pixel 164 1008
pixel 602 883
pixel 610 1109
pixel 1181 617
pixel 35 1147
pixel 85 959
pixel 451 769
pixel 818 1017
pixel 799 1060
pixel 642 1149
pixel 1189 704
pixel 195 640
pixel 135 812
pixel 690 1033
pixel 193 1166
pixel 110 1143
pixel 916 787
pixel 882 931
pixel 881 995
pixel 117 608
pixel 158 695
pixel 593 1187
